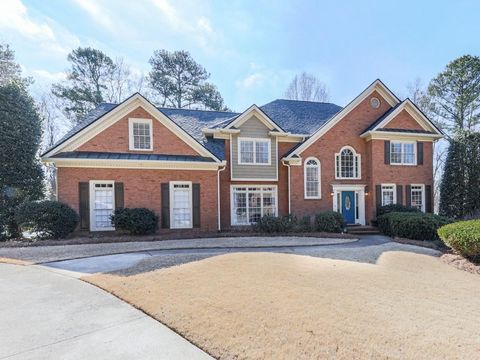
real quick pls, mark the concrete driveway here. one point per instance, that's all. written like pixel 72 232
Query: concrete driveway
pixel 48 315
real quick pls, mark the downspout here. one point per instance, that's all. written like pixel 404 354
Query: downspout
pixel 218 196
pixel 288 182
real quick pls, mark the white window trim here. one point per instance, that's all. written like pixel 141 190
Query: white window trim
pixel 319 173
pixel 92 202
pixel 359 162
pixel 232 187
pixel 394 189
pixel 255 140
pixel 171 187
pixel 414 152
pixel 423 195
pixel 131 144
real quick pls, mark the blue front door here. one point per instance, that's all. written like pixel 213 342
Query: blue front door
pixel 348 206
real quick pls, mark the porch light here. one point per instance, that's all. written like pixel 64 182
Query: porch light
pixel 332 193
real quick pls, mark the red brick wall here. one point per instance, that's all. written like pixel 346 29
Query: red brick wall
pixel 374 171
pixel 403 121
pixel 142 188
pixel 346 132
pixel 115 138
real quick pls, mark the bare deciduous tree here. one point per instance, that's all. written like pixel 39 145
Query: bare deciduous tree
pixel 307 87
pixel 123 81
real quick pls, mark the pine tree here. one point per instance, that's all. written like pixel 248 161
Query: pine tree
pixel 472 167
pixel 21 175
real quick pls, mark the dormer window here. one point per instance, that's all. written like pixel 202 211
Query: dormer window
pixel 347 164
pixel 140 134
pixel 253 151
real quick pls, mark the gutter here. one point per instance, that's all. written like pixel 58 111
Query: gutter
pixel 218 197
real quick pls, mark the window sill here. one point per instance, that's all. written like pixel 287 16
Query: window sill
pixel 312 198
pixel 255 164
pixel 140 149
pixel 402 164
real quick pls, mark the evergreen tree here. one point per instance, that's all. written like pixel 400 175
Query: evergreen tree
pixel 21 176
pixel 452 187
pixel 180 82
pixel 472 174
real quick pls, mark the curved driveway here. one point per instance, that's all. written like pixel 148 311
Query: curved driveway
pixel 47 315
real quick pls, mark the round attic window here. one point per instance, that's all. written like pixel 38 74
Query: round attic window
pixel 374 103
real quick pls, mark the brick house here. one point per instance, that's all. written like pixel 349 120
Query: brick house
pixel 213 170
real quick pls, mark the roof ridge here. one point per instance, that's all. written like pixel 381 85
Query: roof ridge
pixel 173 108
pixel 305 101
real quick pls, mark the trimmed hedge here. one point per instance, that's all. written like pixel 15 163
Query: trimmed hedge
pixel 48 219
pixel 136 221
pixel 274 224
pixel 329 221
pixel 395 208
pixel 412 225
pixel 462 236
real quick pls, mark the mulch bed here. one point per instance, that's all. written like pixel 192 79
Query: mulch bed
pixel 458 261
pixel 95 238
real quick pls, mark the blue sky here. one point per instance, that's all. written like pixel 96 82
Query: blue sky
pixel 251 48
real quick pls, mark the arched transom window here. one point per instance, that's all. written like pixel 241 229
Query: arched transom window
pixel 347 164
pixel 312 178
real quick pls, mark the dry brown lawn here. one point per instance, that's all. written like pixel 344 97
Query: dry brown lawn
pixel 278 306
pixel 14 261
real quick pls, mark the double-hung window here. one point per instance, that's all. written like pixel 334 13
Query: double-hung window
pixel 312 179
pixel 388 194
pixel 417 197
pixel 180 204
pixel 253 151
pixel 402 153
pixel 102 205
pixel 250 203
pixel 140 134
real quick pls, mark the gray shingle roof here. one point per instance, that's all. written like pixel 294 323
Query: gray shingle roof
pixel 129 156
pixel 293 116
pixel 406 131
pixel 299 117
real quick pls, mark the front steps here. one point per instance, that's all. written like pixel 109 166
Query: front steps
pixel 362 230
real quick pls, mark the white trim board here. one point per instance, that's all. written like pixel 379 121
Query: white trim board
pixel 255 110
pixel 119 112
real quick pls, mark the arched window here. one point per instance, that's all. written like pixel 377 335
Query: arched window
pixel 347 164
pixel 312 178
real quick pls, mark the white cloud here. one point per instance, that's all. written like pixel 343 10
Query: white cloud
pixel 48 76
pixel 251 81
pixel 14 17
pixel 199 28
pixel 48 36
pixel 98 13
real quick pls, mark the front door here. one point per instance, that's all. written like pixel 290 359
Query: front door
pixel 348 206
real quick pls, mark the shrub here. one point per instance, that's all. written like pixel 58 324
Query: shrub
pixel 462 236
pixel 48 219
pixel 136 221
pixel 329 221
pixel 395 208
pixel 412 225
pixel 274 224
pixel 304 224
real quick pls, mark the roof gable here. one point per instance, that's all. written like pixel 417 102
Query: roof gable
pixel 108 114
pixel 254 110
pixel 416 114
pixel 377 86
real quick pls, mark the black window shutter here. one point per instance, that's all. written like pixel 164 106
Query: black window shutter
pixel 165 196
pixel 378 195
pixel 428 198
pixel 84 205
pixel 408 195
pixel 419 153
pixel 119 197
pixel 196 204
pixel 387 152
pixel 400 194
